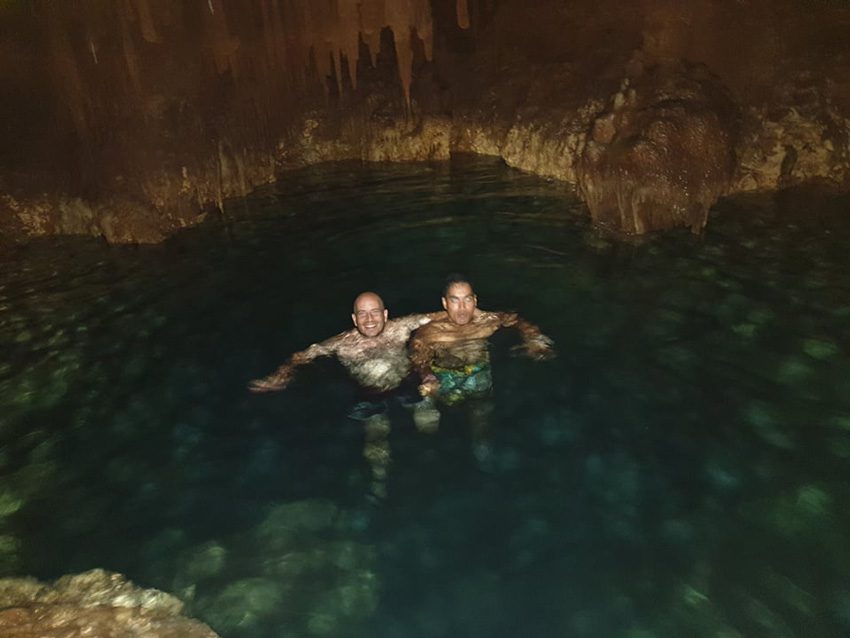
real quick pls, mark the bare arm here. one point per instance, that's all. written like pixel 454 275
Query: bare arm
pixel 535 343
pixel 281 377
pixel 414 321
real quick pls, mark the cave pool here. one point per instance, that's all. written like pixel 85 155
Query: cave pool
pixel 682 468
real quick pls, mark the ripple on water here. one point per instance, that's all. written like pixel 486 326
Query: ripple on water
pixel 679 469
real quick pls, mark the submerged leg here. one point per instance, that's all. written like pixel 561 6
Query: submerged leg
pixel 480 413
pixel 376 450
pixel 426 416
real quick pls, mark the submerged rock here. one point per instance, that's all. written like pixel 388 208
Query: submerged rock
pixel 244 604
pixel 287 523
pixel 9 548
pixel 94 604
pixel 296 571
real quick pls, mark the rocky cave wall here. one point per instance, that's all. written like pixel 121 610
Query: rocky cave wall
pixel 132 118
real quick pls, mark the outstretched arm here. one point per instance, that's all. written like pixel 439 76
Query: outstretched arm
pixel 281 377
pixel 534 342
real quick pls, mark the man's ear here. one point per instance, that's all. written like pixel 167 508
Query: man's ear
pixel 445 306
pixel 386 314
pixel 354 319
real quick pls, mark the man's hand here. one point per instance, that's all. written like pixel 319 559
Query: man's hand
pixel 278 381
pixel 539 348
pixel 430 386
pixel 262 385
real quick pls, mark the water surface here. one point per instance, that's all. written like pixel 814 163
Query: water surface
pixel 681 469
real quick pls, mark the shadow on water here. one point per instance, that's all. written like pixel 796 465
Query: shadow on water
pixel 680 469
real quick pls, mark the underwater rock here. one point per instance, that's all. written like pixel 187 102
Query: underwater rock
pixel 820 349
pixel 197 565
pixel 204 561
pixel 10 502
pixel 94 604
pixel 9 548
pixel 302 574
pixel 287 523
pixel 794 371
pixel 243 604
pixel 663 152
pixel 768 425
pixel 804 513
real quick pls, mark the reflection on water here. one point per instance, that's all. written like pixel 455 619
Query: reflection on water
pixel 681 469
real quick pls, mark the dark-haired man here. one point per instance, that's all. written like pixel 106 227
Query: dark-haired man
pixel 451 353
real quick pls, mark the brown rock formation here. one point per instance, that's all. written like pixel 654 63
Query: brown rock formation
pixel 95 604
pixel 663 152
pixel 130 120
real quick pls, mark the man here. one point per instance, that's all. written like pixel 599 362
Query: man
pixel 373 352
pixel 451 354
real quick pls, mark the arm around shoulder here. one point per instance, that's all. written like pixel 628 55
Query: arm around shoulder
pixel 414 321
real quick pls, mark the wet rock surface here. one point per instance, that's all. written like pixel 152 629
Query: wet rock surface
pixel 298 568
pixel 96 604
pixel 133 148
pixel 662 154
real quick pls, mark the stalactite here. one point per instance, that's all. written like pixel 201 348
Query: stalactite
pixel 223 45
pixel 372 18
pixel 332 30
pixel 66 70
pixel 347 28
pixel 146 21
pixel 462 14
pixel 403 16
pixel 128 47
pixel 260 61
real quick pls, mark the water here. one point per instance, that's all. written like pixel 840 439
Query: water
pixel 681 469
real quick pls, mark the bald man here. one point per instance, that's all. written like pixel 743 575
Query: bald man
pixel 373 351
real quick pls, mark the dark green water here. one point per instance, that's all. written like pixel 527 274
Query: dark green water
pixel 681 469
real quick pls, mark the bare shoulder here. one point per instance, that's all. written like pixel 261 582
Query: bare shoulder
pixel 347 337
pixel 489 316
pixel 408 322
pixel 433 327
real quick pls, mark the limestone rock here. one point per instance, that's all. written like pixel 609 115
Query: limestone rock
pixel 134 147
pixel 69 621
pixel 118 220
pixel 799 136
pixel 95 604
pixel 663 152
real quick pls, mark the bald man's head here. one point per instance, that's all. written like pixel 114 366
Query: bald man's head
pixel 369 314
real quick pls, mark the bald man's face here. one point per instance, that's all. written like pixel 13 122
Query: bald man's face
pixel 369 315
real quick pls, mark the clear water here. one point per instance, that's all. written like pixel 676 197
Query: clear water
pixel 681 469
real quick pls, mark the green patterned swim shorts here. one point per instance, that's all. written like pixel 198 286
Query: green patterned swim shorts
pixel 469 382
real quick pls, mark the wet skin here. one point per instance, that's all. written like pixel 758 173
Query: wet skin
pixel 373 352
pixel 460 337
